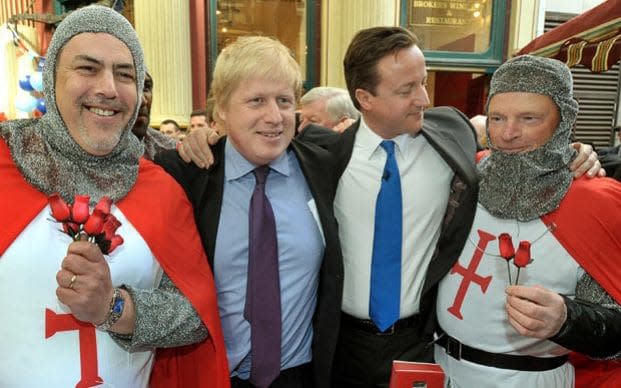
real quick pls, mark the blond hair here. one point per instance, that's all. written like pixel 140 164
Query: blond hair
pixel 253 57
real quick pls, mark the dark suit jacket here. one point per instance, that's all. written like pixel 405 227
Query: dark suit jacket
pixel 204 189
pixel 454 138
pixel 610 160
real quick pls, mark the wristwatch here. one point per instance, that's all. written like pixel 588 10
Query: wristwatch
pixel 117 304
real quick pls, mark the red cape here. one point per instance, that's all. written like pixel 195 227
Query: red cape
pixel 589 227
pixel 168 227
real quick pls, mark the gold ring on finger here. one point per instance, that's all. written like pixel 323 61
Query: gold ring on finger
pixel 73 278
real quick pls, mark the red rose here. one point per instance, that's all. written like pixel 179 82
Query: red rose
pixel 104 204
pixel 71 228
pixel 111 224
pixel 522 256
pixel 115 242
pixel 506 246
pixel 60 209
pixel 94 224
pixel 80 210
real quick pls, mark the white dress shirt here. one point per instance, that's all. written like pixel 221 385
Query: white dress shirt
pixel 425 185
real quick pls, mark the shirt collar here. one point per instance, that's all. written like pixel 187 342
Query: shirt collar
pixel 369 141
pixel 236 166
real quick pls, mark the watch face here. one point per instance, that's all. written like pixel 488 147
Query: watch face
pixel 119 303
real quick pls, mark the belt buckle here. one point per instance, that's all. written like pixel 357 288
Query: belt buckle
pixel 389 331
pixel 453 348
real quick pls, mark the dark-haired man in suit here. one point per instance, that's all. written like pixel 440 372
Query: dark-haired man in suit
pixel 405 200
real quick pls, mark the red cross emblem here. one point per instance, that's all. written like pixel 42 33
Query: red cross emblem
pixel 55 323
pixel 469 274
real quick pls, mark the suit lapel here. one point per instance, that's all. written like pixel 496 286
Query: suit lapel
pixel 209 200
pixel 451 152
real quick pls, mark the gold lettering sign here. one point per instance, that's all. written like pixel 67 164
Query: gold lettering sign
pixel 430 4
pixel 449 21
pixel 451 25
pixel 454 12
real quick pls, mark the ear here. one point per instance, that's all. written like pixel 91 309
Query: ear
pixel 364 98
pixel 220 113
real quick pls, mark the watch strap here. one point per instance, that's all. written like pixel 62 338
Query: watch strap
pixel 117 304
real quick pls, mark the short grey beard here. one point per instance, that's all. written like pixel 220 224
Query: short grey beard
pixel 105 145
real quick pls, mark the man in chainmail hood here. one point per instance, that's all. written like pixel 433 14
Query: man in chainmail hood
pixel 539 251
pixel 527 185
pixel 74 315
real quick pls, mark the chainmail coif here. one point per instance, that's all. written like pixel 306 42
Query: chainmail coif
pixel 527 185
pixel 43 149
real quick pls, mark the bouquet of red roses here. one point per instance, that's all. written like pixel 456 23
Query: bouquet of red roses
pixel 99 226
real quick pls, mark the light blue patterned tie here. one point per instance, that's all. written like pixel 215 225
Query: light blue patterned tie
pixel 386 262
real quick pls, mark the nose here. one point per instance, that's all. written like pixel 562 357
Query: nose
pixel 421 97
pixel 510 131
pixel 272 112
pixel 106 85
pixel 143 102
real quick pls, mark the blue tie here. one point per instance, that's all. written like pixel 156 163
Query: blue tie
pixel 386 262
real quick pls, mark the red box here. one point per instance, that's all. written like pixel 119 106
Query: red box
pixel 416 375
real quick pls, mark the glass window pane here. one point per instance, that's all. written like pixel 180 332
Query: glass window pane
pixel 282 19
pixel 453 25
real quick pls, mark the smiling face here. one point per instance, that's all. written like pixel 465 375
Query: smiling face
pixel 260 118
pixel 521 122
pixel 397 105
pixel 96 90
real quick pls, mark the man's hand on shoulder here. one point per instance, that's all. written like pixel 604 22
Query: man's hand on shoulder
pixel 196 147
pixel 586 162
pixel 345 123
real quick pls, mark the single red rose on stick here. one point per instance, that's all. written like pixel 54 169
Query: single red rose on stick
pixel 80 211
pixel 104 204
pixel 60 210
pixel 95 223
pixel 115 242
pixel 505 245
pixel 522 258
pixel 72 229
pixel 111 224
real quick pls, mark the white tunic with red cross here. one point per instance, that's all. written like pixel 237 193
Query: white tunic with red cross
pixel 471 303
pixel 42 344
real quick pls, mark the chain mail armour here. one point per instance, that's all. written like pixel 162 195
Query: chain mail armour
pixel 44 151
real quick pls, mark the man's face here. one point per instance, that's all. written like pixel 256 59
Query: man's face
pixel 315 113
pixel 400 96
pixel 96 90
pixel 520 122
pixel 198 122
pixel 144 114
pixel 260 119
pixel 169 129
